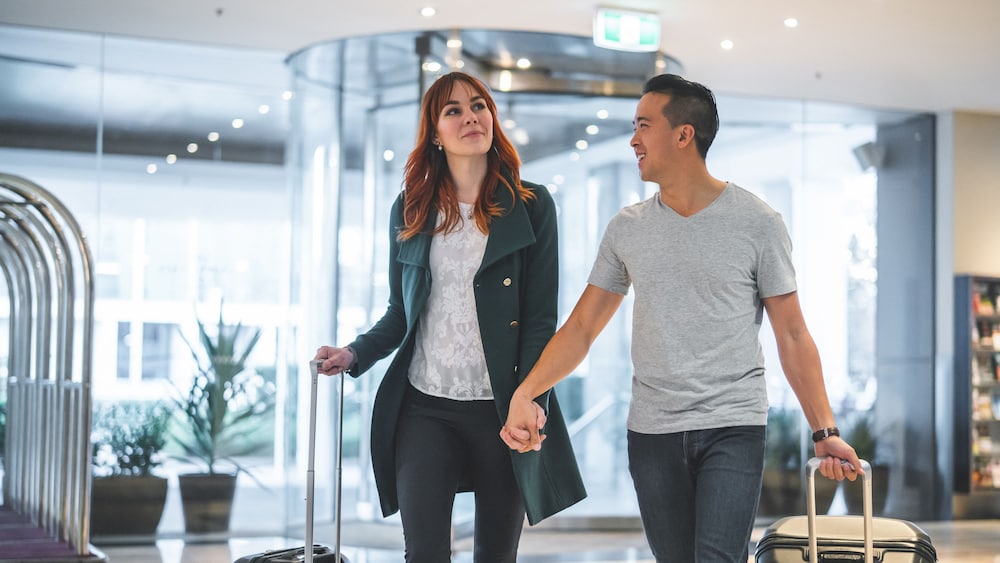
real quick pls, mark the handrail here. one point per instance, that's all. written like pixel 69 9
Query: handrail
pixel 48 267
pixel 592 414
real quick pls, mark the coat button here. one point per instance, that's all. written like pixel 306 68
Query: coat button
pixel 513 324
pixel 506 282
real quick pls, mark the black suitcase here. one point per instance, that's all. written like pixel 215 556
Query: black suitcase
pixel 320 553
pixel 843 538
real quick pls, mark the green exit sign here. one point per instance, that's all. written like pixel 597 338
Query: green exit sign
pixel 626 30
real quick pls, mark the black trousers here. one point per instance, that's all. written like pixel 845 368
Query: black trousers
pixel 440 444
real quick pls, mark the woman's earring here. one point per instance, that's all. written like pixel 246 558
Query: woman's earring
pixel 440 148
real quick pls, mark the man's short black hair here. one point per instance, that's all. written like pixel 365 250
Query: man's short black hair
pixel 690 104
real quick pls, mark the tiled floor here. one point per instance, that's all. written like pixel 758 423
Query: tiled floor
pixel 970 541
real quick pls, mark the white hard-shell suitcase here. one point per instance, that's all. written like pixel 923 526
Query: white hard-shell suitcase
pixel 843 538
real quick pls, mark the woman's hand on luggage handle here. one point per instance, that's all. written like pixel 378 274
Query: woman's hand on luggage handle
pixel 839 459
pixel 522 432
pixel 333 360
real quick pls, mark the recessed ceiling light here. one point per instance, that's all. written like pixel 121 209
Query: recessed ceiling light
pixel 582 144
pixel 592 130
pixel 428 12
pixel 150 169
pixel 505 81
pixel 791 22
pixel 213 136
pixel 171 158
pixel 237 123
pixel 263 109
pixel 602 114
pixel 727 44
pixel 523 63
pixel 388 155
pixel 192 148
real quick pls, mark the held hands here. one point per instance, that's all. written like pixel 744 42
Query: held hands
pixel 334 360
pixel 839 459
pixel 525 419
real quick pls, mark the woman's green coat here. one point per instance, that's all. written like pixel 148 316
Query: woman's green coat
pixel 516 291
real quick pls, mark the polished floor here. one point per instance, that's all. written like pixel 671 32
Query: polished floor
pixel 967 541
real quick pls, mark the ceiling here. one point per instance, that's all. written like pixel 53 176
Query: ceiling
pixel 905 54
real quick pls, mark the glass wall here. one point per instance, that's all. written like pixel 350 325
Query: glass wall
pixel 281 215
pixel 184 207
pixel 572 131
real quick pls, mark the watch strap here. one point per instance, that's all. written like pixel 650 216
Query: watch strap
pixel 824 433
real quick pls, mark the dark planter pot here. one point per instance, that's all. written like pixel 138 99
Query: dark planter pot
pixel 783 493
pixel 207 499
pixel 127 505
pixel 880 489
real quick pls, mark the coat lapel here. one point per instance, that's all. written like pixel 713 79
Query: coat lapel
pixel 509 232
pixel 417 250
pixel 416 253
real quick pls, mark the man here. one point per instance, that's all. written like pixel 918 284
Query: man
pixel 706 259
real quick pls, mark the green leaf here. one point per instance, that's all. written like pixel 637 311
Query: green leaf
pixel 224 400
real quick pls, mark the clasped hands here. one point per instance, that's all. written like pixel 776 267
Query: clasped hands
pixel 525 420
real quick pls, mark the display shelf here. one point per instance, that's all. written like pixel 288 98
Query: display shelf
pixel 977 389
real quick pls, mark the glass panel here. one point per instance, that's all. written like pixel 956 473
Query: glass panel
pixel 124 351
pixel 175 236
pixel 591 178
pixel 174 230
pixel 797 156
pixel 156 349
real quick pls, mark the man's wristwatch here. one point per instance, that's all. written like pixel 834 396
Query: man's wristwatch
pixel 824 433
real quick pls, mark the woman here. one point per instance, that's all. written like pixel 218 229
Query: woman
pixel 472 301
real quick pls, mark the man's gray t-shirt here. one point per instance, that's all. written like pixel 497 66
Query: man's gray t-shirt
pixel 698 284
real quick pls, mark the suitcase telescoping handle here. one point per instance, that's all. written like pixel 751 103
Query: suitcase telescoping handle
pixel 311 468
pixel 812 466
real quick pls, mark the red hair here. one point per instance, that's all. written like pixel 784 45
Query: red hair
pixel 428 182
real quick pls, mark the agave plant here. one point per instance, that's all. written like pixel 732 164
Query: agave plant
pixel 225 400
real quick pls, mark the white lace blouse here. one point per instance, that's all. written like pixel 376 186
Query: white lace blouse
pixel 448 358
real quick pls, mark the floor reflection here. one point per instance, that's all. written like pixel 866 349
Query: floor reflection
pixel 969 541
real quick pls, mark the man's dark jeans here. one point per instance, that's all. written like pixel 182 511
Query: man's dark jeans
pixel 698 491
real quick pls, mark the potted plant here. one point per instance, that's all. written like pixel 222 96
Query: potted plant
pixel 217 417
pixel 783 488
pixel 863 437
pixel 127 498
